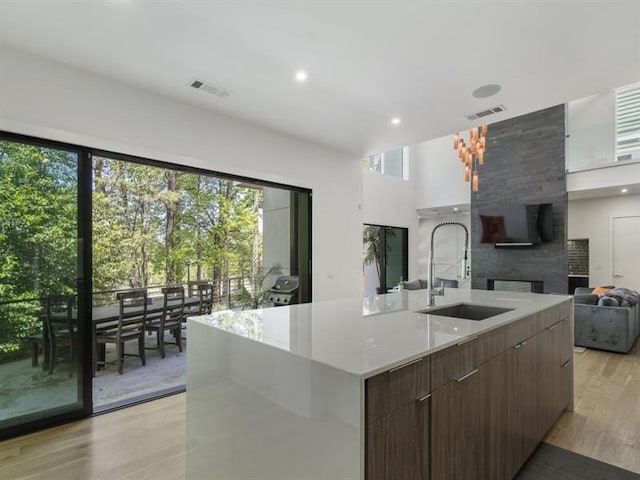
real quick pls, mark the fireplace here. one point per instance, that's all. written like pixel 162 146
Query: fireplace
pixel 521 286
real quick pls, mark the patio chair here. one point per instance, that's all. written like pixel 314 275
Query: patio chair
pixel 205 301
pixel 131 326
pixel 192 287
pixel 61 329
pixel 171 318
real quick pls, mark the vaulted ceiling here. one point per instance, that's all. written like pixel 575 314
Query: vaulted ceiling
pixel 367 61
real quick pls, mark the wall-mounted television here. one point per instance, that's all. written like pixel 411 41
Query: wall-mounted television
pixel 517 225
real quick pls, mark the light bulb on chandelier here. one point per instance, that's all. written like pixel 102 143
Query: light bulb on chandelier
pixel 472 155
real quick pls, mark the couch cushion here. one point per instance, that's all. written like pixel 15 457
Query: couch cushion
pixel 424 282
pixel 583 291
pixel 588 299
pixel 412 285
pixel 600 290
pixel 608 302
pixel 445 282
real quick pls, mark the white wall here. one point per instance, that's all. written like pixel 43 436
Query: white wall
pixel 48 99
pixel 448 247
pixel 390 201
pixel 439 174
pixel 593 219
pixel 617 175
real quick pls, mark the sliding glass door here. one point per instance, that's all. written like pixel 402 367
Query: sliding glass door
pixel 78 225
pixel 41 324
pixel 157 225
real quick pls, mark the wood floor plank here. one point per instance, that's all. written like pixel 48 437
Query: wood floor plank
pixel 606 422
pixel 146 442
pixel 143 442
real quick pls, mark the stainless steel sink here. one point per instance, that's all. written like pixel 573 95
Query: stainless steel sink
pixel 468 311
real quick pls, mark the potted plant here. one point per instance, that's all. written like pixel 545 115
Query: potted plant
pixel 373 254
pixel 253 295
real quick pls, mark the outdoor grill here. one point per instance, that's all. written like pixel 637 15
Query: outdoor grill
pixel 284 292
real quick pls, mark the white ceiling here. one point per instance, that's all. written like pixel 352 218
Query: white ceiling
pixel 367 60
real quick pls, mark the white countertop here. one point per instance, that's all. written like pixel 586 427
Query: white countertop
pixel 366 336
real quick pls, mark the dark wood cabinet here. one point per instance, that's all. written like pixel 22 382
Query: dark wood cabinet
pixel 538 384
pixel 547 378
pixel 492 399
pixel 398 444
pixel 455 427
pixel 496 406
pixel 398 423
pixel 397 387
pixel 566 365
pixel 454 362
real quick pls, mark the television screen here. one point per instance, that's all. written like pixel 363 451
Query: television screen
pixel 510 224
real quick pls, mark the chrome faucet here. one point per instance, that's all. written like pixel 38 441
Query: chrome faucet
pixel 431 292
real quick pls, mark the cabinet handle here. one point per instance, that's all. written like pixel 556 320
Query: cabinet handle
pixel 464 377
pixel 471 339
pixel 395 369
pixel 520 345
pixel 428 395
pixel 553 326
pixel 566 364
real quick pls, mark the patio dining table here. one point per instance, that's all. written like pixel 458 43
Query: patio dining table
pixel 106 316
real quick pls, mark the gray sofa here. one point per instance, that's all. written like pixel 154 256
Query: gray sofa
pixel 613 328
pixel 420 283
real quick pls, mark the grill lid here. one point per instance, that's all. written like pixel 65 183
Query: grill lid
pixel 285 284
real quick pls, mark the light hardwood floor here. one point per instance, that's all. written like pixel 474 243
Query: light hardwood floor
pixel 143 442
pixel 146 442
pixel 605 423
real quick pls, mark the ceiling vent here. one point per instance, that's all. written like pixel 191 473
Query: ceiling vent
pixel 484 113
pixel 210 88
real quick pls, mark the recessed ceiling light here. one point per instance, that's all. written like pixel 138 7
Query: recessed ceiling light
pixel 624 190
pixel 455 209
pixel 301 76
pixel 395 121
pixel 486 90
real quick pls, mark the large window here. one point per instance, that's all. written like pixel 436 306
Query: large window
pixel 391 162
pixel 628 123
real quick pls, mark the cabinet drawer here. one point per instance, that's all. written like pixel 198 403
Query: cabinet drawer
pixel 520 330
pixel 491 344
pixel 566 341
pixel 565 309
pixel 391 390
pixel 454 362
pixel 550 316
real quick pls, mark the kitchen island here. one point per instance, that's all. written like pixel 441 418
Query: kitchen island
pixel 373 389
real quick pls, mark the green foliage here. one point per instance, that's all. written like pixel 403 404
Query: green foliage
pixel 374 252
pixel 372 247
pixel 148 222
pixel 253 292
pixel 38 225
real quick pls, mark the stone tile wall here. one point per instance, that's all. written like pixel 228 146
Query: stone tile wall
pixel 524 164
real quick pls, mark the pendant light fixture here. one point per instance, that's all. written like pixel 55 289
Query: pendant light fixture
pixel 472 154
